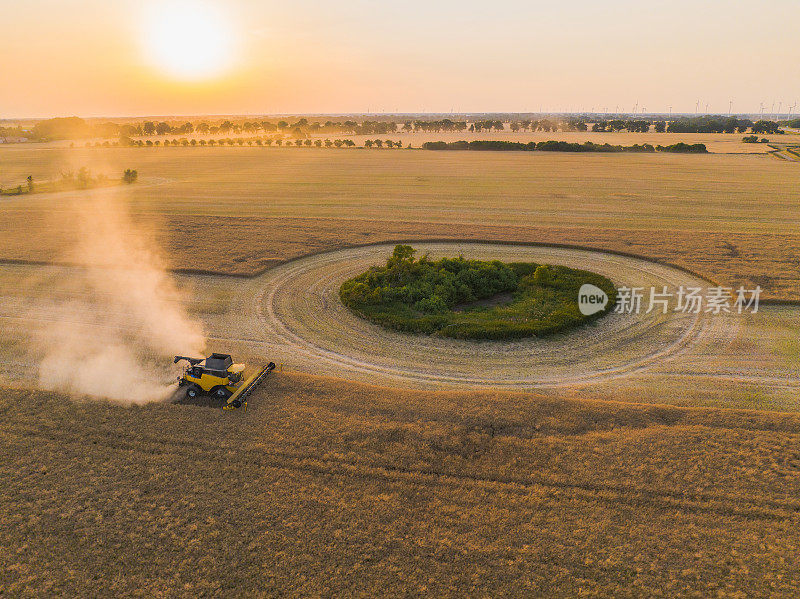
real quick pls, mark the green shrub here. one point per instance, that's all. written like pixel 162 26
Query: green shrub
pixel 431 305
pixel 542 275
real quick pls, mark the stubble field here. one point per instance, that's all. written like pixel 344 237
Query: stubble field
pixel 731 218
pixel 324 486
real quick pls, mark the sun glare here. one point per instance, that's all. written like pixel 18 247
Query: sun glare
pixel 188 40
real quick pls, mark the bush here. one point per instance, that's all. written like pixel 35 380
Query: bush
pixel 431 305
pixel 542 275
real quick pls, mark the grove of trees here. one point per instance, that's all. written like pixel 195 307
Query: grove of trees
pixel 709 124
pixel 434 297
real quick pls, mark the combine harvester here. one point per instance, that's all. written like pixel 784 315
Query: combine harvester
pixel 220 378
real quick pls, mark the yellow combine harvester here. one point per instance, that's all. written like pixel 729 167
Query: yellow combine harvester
pixel 220 378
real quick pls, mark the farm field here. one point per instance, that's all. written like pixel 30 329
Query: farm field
pixel 324 487
pixel 732 218
pixel 645 453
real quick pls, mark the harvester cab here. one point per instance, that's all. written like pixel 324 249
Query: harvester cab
pixel 219 377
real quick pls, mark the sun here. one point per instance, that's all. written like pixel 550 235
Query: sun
pixel 188 40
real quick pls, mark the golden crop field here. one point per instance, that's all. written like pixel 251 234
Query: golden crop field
pixel 732 218
pixel 328 488
pixel 645 455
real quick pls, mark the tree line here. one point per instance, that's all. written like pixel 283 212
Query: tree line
pixel 561 146
pixel 706 124
pixel 632 125
pixel 301 128
pixel 241 141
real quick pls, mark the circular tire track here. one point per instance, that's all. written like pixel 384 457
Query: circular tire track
pixel 299 306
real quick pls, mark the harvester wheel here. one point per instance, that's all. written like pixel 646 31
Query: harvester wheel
pixel 236 404
pixel 192 391
pixel 221 393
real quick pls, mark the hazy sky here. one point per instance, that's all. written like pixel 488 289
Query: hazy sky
pixel 124 57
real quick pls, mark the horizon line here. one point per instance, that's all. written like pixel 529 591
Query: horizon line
pixel 401 114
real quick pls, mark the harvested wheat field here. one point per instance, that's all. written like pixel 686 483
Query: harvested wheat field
pixel 732 218
pixel 718 143
pixel 640 455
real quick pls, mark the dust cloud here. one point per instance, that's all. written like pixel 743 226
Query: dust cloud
pixel 113 326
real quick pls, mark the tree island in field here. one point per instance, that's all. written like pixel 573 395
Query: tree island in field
pixel 471 299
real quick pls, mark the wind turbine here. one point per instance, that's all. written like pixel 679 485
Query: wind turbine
pixel 761 113
pixel 772 110
pixel 697 107
pixel 777 116
pixel 730 107
pixel 706 107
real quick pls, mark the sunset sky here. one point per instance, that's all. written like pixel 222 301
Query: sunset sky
pixel 120 57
